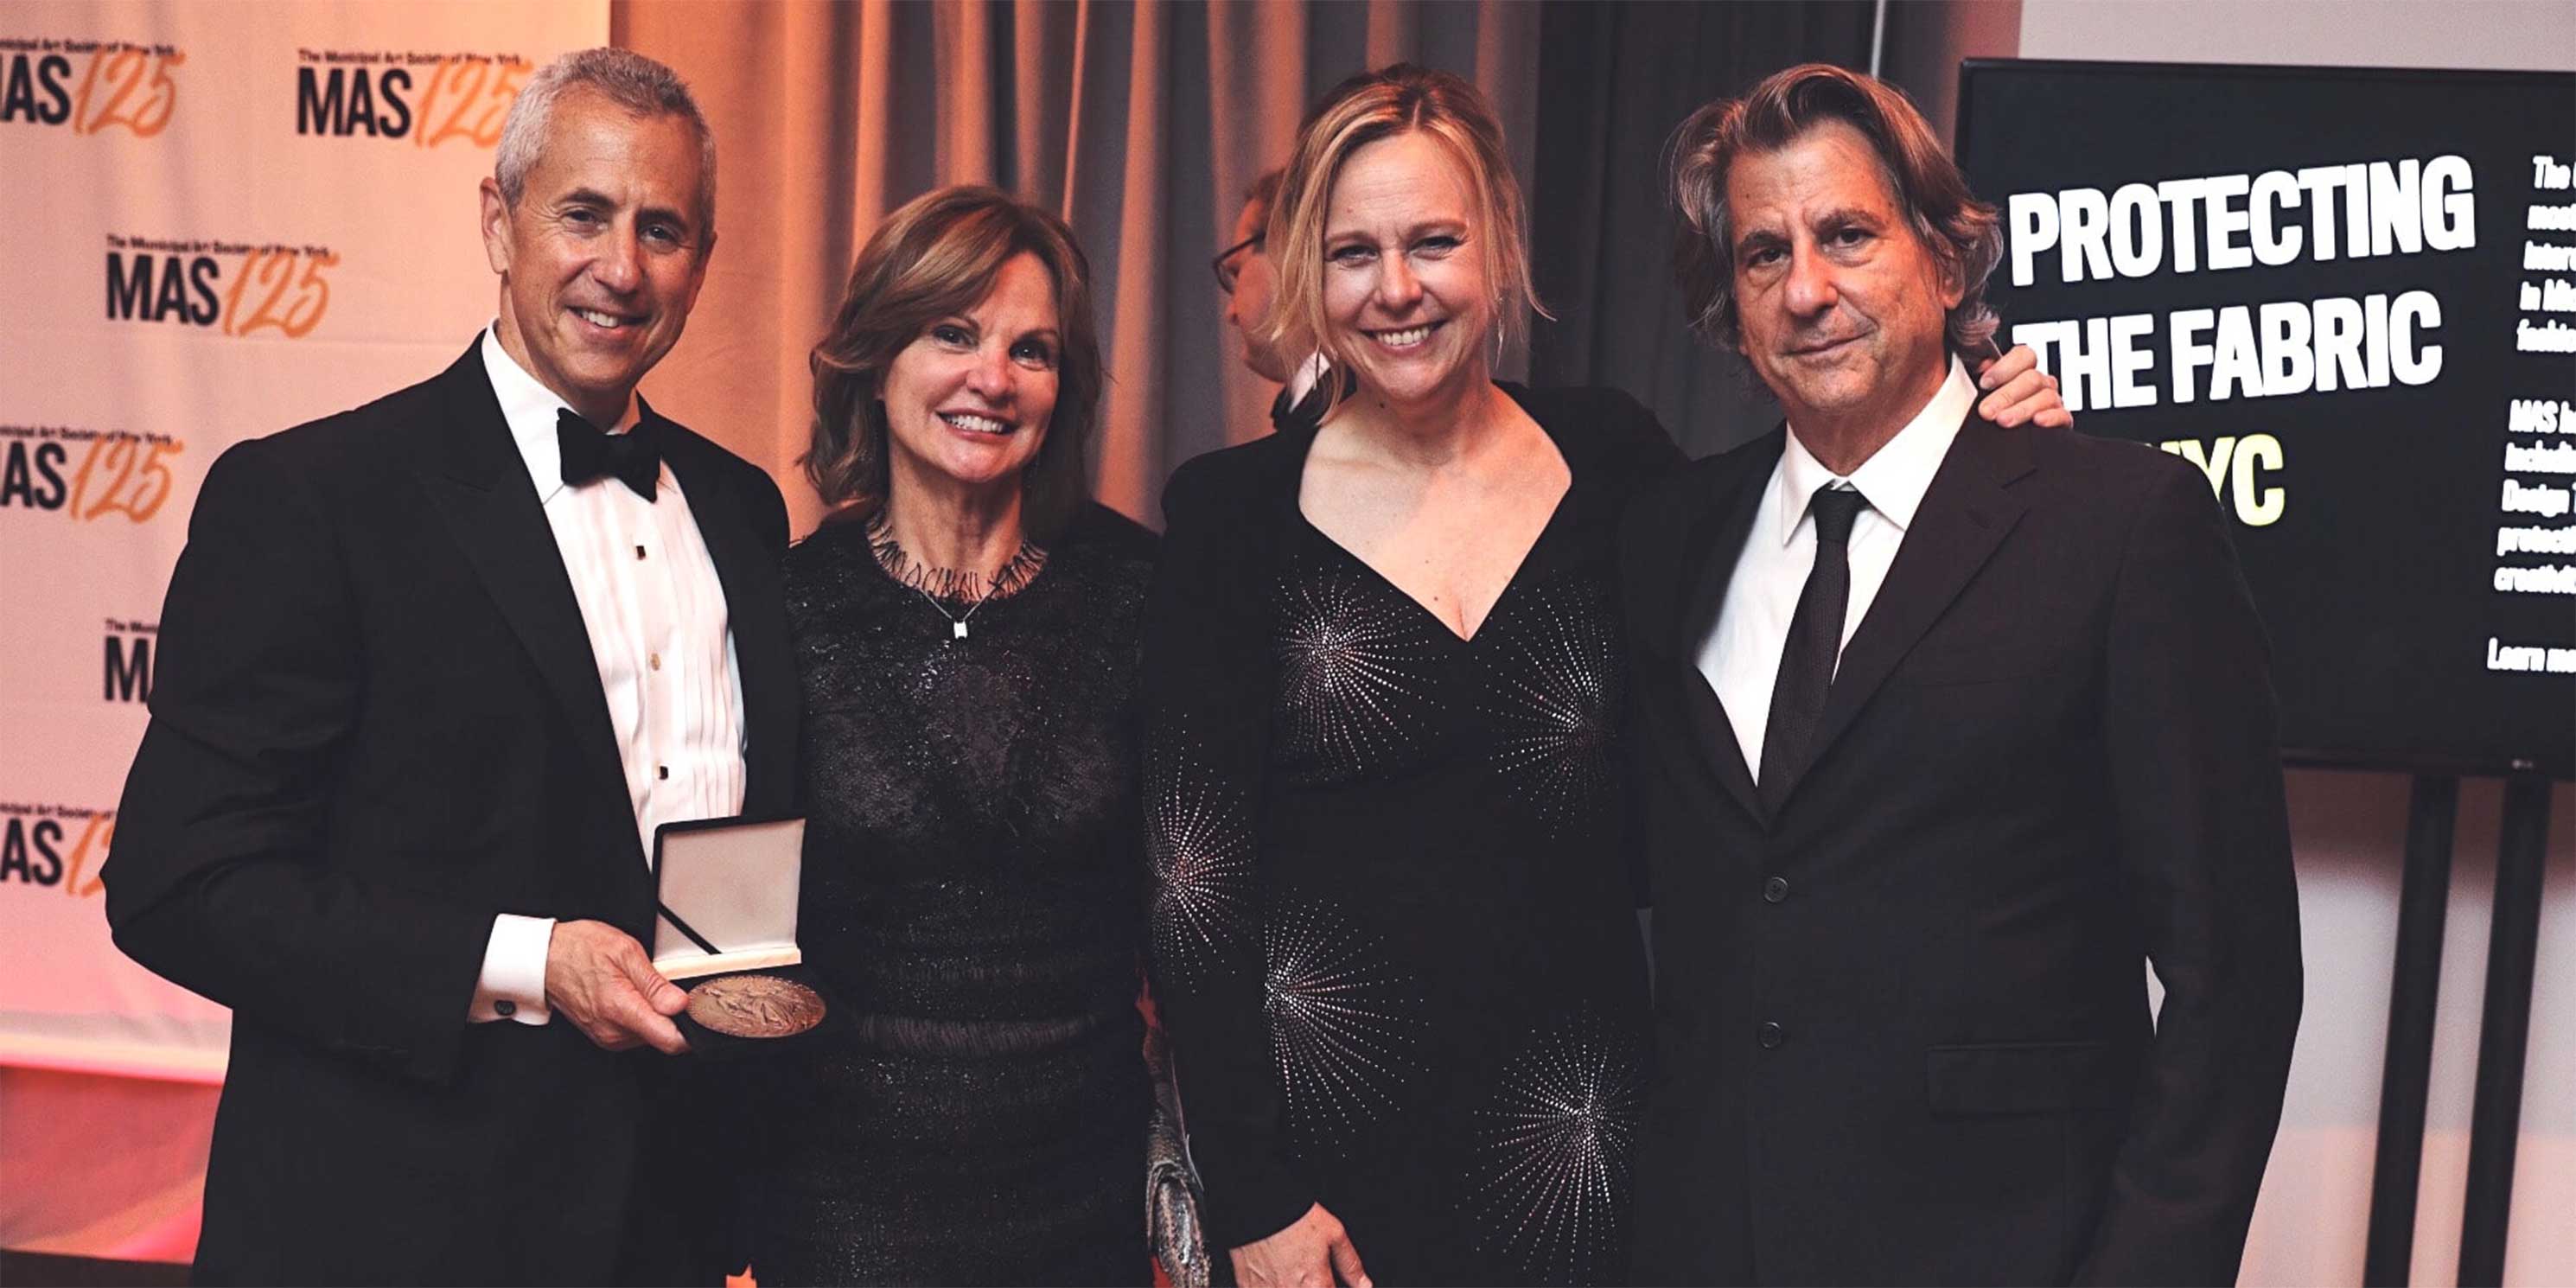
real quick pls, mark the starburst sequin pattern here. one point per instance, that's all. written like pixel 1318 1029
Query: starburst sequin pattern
pixel 1554 685
pixel 1352 685
pixel 1201 852
pixel 1343 1023
pixel 1553 1150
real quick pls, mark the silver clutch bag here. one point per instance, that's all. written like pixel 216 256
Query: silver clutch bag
pixel 1171 1181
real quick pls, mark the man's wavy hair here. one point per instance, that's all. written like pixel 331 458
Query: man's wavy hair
pixel 1961 232
pixel 935 257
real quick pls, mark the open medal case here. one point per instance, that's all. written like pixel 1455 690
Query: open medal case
pixel 724 929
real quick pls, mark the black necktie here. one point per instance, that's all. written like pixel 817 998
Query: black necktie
pixel 1815 639
pixel 589 454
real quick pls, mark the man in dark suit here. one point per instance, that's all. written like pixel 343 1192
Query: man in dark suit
pixel 433 670
pixel 1944 732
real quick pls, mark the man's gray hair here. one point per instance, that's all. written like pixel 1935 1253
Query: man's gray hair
pixel 1961 233
pixel 626 78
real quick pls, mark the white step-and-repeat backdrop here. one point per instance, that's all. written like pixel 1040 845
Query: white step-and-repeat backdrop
pixel 223 219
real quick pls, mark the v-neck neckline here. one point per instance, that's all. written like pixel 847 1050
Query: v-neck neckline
pixel 1529 555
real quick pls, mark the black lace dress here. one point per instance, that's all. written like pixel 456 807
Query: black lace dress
pixel 971 897
pixel 1393 925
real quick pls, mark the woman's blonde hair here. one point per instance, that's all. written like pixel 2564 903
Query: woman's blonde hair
pixel 1397 99
pixel 936 257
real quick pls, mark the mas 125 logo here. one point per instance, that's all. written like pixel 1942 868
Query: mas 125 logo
pixel 56 846
pixel 85 473
pixel 237 289
pixel 128 674
pixel 89 85
pixel 428 98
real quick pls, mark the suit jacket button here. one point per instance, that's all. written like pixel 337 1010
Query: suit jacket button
pixel 1770 1035
pixel 505 1008
pixel 1775 889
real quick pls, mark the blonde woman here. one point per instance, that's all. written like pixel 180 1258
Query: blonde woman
pixel 1393 923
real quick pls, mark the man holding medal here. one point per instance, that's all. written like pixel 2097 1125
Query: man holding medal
pixel 433 671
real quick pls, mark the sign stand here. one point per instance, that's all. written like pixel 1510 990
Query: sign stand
pixel 2504 1033
pixel 2415 986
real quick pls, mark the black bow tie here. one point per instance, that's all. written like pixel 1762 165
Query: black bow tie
pixel 588 454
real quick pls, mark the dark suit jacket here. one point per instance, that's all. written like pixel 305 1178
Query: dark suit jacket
pixel 1903 1026
pixel 378 723
pixel 1302 413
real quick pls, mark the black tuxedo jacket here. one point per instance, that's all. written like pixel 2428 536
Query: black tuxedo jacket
pixel 1301 413
pixel 377 723
pixel 1903 1025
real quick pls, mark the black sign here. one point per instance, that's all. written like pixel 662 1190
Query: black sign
pixel 2349 296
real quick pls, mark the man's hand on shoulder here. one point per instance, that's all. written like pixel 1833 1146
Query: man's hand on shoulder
pixel 2021 393
pixel 598 977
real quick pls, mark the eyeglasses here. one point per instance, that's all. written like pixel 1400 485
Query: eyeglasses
pixel 1228 262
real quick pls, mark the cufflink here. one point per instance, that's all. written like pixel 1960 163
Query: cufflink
pixel 505 1008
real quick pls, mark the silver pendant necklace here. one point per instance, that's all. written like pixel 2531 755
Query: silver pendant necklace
pixel 931 583
pixel 956 622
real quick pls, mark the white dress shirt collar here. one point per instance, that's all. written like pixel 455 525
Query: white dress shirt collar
pixel 529 408
pixel 1895 477
pixel 1304 379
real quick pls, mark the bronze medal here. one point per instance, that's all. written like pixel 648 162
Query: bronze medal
pixel 755 1006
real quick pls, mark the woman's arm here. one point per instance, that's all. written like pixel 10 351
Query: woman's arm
pixel 1207 693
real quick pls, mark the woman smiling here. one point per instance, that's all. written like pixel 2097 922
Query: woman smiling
pixel 967 642
pixel 1392 927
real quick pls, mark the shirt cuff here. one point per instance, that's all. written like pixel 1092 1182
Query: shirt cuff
pixel 513 983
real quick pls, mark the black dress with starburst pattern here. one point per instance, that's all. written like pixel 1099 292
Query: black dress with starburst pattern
pixel 1393 905
pixel 972 894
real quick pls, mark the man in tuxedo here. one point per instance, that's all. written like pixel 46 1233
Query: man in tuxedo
pixel 433 671
pixel 1943 734
pixel 1251 284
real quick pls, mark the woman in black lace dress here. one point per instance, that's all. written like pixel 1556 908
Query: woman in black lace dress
pixel 967 640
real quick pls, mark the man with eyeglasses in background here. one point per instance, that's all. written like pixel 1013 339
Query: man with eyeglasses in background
pixel 1249 281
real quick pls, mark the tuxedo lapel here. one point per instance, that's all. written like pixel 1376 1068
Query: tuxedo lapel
pixel 479 484
pixel 756 613
pixel 1965 515
pixel 1706 564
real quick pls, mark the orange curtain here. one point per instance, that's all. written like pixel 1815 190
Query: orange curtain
pixel 1141 121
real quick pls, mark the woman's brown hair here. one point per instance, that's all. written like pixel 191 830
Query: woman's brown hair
pixel 936 257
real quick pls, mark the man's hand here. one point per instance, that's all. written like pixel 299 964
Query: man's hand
pixel 599 977
pixel 2021 392
pixel 1309 1254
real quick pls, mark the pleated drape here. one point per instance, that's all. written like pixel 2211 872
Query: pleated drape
pixel 1617 78
pixel 1142 121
